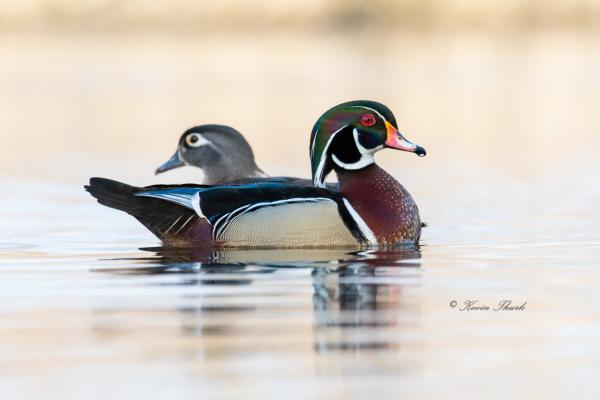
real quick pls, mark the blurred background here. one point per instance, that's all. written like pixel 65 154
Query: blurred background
pixel 511 86
pixel 503 95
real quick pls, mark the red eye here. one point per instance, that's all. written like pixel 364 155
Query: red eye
pixel 367 120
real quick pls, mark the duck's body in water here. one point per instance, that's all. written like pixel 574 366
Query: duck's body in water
pixel 370 209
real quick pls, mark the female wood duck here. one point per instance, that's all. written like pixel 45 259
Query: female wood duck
pixel 370 209
pixel 221 152
pixel 224 156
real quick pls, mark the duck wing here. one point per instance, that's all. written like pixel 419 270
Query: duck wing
pixel 266 214
pixel 281 179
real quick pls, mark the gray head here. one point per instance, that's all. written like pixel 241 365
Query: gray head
pixel 220 151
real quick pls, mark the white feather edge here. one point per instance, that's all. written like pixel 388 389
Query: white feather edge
pixel 366 155
pixel 193 202
pixel 251 207
pixel 188 201
pixel 319 181
pixel 362 225
pixel 196 205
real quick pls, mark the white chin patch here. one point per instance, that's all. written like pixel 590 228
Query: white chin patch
pixel 365 159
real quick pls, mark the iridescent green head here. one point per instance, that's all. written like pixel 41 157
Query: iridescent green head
pixel 349 134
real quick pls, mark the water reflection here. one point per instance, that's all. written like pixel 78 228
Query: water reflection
pixel 356 296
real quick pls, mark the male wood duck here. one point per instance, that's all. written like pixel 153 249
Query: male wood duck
pixel 371 208
pixel 220 151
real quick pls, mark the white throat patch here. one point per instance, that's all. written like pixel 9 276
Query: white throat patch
pixel 365 159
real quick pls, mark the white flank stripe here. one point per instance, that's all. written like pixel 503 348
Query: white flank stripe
pixel 227 217
pixel 362 225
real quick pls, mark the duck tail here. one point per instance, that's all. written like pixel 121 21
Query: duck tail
pixel 172 223
pixel 114 194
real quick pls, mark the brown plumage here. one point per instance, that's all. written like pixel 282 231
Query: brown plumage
pixel 383 203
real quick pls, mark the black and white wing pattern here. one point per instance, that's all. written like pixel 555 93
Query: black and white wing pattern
pixel 270 214
pixel 283 180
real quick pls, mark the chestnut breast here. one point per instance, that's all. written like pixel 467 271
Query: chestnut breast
pixel 383 203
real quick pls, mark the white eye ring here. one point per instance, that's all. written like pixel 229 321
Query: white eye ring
pixel 195 140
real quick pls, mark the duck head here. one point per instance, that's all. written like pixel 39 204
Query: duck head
pixel 220 151
pixel 348 135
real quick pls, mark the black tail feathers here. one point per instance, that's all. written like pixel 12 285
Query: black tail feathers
pixel 114 194
pixel 159 216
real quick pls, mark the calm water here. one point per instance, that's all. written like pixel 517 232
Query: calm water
pixel 91 308
pixel 87 313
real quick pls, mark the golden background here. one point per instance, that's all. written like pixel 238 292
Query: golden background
pixel 503 95
pixel 509 85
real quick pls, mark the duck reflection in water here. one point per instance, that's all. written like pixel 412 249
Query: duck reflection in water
pixel 357 296
pixel 363 294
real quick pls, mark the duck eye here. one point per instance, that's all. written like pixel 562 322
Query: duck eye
pixel 193 140
pixel 367 120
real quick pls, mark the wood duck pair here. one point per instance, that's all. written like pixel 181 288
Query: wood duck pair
pixel 369 209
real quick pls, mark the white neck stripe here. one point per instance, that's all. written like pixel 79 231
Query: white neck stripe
pixel 312 145
pixel 319 181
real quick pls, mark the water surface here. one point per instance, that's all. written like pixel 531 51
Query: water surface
pixel 92 308
pixel 88 313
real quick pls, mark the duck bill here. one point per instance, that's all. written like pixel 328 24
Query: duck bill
pixel 174 162
pixel 395 140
